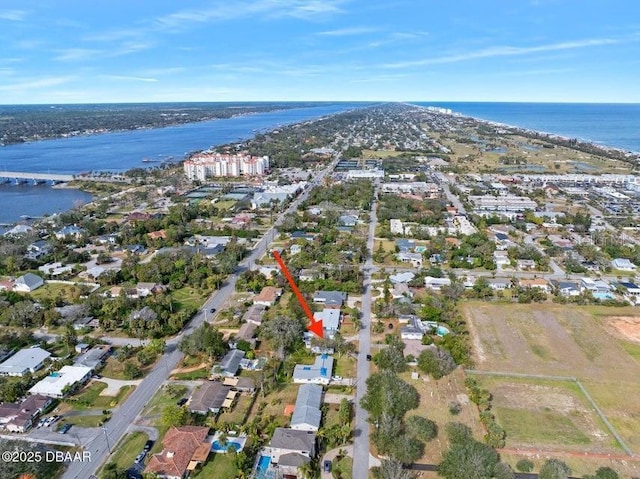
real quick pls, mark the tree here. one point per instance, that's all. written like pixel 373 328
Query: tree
pixel 391 359
pixel 388 393
pixel 421 428
pixel 554 469
pixel 436 362
pixel 392 469
pixel 206 339
pixel 458 432
pixel 174 415
pixel 503 471
pixel 525 465
pixel 284 332
pixel 131 370
pixel 468 460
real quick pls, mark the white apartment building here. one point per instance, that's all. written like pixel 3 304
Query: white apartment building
pixel 207 164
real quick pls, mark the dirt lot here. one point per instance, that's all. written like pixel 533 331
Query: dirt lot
pixel 597 345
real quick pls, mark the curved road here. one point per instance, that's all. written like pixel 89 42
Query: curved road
pixel 122 419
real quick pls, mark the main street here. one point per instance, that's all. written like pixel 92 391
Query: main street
pixel 361 441
pixel 122 419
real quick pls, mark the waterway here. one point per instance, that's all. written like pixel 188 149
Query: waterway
pixel 120 151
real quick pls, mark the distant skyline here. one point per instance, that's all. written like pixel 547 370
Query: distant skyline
pixel 73 51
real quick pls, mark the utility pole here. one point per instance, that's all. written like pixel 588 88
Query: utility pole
pixel 104 430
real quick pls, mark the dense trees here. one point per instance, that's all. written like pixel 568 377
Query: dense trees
pixel 285 333
pixel 436 362
pixel 467 458
pixel 554 469
pixel 206 340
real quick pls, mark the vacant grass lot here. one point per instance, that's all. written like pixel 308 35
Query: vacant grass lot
pixel 189 297
pixel 559 341
pixel 89 397
pixel 128 449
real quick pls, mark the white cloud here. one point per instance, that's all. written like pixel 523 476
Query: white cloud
pixel 76 54
pixel 343 32
pixel 32 84
pixel 130 78
pixel 13 15
pixel 505 51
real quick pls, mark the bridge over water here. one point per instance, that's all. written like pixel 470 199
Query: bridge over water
pixel 22 175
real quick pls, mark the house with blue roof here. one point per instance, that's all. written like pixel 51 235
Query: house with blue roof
pixel 317 373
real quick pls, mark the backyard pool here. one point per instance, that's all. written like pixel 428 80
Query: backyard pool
pixel 217 447
pixel 262 469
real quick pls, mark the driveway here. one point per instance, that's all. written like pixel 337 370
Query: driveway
pixel 114 385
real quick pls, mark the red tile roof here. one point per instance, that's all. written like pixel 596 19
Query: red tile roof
pixel 179 446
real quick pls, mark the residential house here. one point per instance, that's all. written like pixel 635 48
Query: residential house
pixel 60 383
pixel 269 271
pixel 27 283
pixel 330 299
pixel 86 322
pixel 501 258
pixel 242 385
pixel 157 235
pixel 230 363
pixel 254 314
pixel 306 414
pixel 183 449
pixel 436 284
pixel 396 227
pixel 94 358
pixel 18 230
pixel 285 442
pixel 623 264
pixel 348 220
pixel 309 275
pixel 27 360
pixel 146 289
pixel 69 232
pixel 525 264
pixel 209 397
pixel 598 288
pixel 6 284
pixel 414 258
pixel 268 296
pixel 401 290
pixel 539 283
pixel 330 318
pixel 499 284
pixel 19 417
pixel 405 245
pixel 302 235
pixel 629 288
pixel 566 288
pixel 403 277
pixel 37 249
pixel 317 373
pixel 145 314
pixel 247 332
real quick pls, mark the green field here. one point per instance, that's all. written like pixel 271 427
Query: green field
pixel 128 449
pixel 219 466
pixel 189 297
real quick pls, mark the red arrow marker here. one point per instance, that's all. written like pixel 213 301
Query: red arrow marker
pixel 314 326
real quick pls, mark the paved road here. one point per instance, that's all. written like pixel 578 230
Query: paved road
pixel 123 418
pixel 361 440
pixel 455 201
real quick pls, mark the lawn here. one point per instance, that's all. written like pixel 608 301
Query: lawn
pixel 219 466
pixel 345 366
pixel 161 399
pixel 51 290
pixel 202 373
pixel 238 413
pixel 128 449
pixel 189 297
pixel 225 204
pixel 342 469
pixel 89 397
pixel 84 421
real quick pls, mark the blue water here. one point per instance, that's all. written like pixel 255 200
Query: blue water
pixel 263 467
pixel 616 125
pixel 216 446
pixel 124 150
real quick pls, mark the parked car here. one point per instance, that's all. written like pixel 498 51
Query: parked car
pixel 64 429
pixel 148 445
pixel 368 357
pixel 140 457
pixel 327 466
pixel 212 310
pixel 182 401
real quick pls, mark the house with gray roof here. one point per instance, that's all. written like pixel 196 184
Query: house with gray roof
pixel 27 360
pixel 94 358
pixel 230 363
pixel 317 373
pixel 254 314
pixel 330 299
pixel 292 441
pixel 27 283
pixel 330 318
pixel 307 415
pixel 209 397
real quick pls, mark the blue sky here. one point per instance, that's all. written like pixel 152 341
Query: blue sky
pixel 76 51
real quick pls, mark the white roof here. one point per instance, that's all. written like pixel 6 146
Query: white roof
pixel 28 358
pixel 402 277
pixel 330 318
pixel 54 384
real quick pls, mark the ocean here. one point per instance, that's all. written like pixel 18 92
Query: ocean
pixel 120 151
pixel 607 124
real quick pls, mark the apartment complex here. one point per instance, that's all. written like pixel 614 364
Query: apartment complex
pixel 208 164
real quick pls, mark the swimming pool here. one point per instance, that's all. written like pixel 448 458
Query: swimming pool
pixel 217 447
pixel 262 469
pixel 442 331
